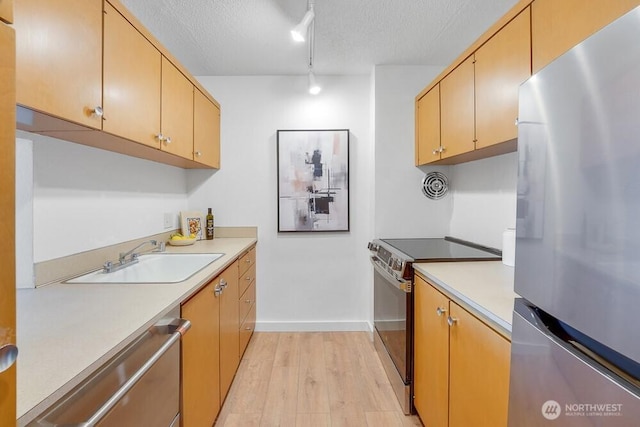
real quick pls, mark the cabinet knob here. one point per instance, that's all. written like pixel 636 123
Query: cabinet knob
pixel 167 140
pixel 517 121
pixel 223 283
pixel 198 153
pixel 248 328
pixel 217 291
pixel 160 137
pixel 8 356
pixel 248 301
pixel 248 279
pixel 442 149
pixel 451 320
pixel 440 311
pixel 247 260
pixel 98 112
pixel 436 152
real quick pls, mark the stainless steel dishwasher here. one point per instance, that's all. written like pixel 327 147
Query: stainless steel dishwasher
pixel 140 386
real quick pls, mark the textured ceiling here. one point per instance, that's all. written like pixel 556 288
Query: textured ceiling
pixel 251 37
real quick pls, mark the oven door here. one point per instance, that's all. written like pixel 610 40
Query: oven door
pixel 392 318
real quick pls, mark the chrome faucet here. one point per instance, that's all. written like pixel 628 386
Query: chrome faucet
pixel 122 259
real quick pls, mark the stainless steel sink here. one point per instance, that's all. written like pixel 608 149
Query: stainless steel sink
pixel 153 268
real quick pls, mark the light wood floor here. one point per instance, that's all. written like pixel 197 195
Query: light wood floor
pixel 312 379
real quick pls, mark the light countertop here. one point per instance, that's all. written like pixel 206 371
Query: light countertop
pixel 66 331
pixel 485 288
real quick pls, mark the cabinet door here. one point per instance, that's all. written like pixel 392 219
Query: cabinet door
pixel 59 58
pixel 229 328
pixel 131 81
pixel 431 355
pixel 177 111
pixel 206 130
pixel 457 110
pixel 6 11
pixel 428 127
pixel 502 64
pixel 201 359
pixel 557 26
pixel 7 220
pixel 479 373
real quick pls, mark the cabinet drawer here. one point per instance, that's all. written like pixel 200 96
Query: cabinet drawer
pixel 246 261
pixel 246 279
pixel 247 300
pixel 246 330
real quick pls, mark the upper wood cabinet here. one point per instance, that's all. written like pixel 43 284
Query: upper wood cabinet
pixel 201 359
pixel 6 11
pixel 132 70
pixel 457 131
pixel 206 130
pixel 557 26
pixel 59 59
pixel 428 127
pixel 89 72
pixel 177 112
pixel 502 65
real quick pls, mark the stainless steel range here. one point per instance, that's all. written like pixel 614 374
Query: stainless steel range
pixel 393 260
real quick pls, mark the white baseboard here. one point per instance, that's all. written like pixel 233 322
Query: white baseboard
pixel 328 326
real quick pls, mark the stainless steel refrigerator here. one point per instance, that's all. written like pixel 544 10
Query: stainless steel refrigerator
pixel 576 331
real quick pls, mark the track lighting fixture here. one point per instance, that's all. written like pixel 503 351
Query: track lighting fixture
pixel 314 88
pixel 299 32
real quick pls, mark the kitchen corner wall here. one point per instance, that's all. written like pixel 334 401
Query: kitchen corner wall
pixel 484 199
pixel 305 281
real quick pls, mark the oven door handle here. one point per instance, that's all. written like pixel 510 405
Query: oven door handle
pixel 178 331
pixel 401 284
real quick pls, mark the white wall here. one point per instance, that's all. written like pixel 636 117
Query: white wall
pixel 484 199
pixel 401 210
pixel 306 281
pixel 24 214
pixel 85 198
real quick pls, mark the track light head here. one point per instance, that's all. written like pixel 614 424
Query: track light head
pixel 314 87
pixel 299 32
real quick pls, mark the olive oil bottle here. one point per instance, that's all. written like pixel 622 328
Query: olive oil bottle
pixel 209 225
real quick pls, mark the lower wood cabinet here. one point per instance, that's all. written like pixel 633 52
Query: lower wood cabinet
pixel 201 359
pixel 461 365
pixel 211 350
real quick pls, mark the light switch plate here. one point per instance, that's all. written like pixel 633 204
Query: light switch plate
pixel 168 220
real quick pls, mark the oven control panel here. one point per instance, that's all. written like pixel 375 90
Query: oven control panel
pixel 390 262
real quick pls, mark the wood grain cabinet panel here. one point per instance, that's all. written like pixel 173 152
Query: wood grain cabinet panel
pixel 206 130
pixel 229 327
pixel 478 373
pixel 461 365
pixel 201 359
pixel 6 11
pixel 177 111
pixel 502 65
pixel 132 69
pixel 431 355
pixel 428 127
pixel 7 219
pixel 557 26
pixel 457 111
pixel 59 58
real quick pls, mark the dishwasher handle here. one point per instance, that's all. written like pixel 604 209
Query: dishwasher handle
pixel 177 331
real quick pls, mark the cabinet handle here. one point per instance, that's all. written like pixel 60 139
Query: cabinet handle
pixel 442 149
pixel 217 291
pixel 440 311
pixel 451 320
pixel 248 328
pixel 8 356
pixel 248 279
pixel 198 153
pixel 247 260
pixel 517 121
pixel 167 140
pixel 98 112
pixel 248 301
pixel 160 137
pixel 436 151
pixel 223 283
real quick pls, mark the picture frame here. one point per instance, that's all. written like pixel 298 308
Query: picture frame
pixel 313 180
pixel 192 222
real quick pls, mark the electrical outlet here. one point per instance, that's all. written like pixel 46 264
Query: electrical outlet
pixel 168 220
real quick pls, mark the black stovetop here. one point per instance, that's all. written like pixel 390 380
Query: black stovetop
pixel 443 249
